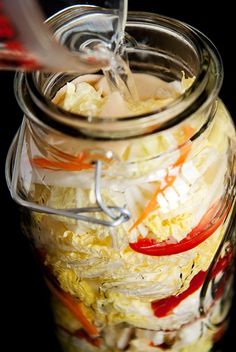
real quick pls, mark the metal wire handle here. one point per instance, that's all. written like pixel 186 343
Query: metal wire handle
pixel 118 215
pixel 229 235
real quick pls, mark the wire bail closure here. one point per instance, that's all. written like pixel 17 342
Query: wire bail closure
pixel 116 215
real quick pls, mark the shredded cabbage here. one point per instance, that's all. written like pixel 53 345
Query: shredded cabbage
pixel 95 263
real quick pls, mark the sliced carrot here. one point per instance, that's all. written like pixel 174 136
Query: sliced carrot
pixel 188 131
pixel 68 157
pixel 169 179
pixel 80 157
pixel 68 166
pixel 184 151
pixel 82 161
pixel 75 307
pixel 150 207
pixel 153 203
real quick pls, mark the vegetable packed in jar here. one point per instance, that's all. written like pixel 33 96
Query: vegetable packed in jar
pixel 129 198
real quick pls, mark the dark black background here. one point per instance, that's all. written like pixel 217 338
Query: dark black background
pixel 24 306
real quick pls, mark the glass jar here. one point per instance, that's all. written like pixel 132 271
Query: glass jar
pixel 27 44
pixel 133 218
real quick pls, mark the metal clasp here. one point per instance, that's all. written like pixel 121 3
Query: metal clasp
pixel 116 215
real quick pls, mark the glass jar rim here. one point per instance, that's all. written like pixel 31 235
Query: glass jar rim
pixel 200 94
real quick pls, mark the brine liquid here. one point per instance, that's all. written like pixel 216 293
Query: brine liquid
pixel 118 74
pixel 119 78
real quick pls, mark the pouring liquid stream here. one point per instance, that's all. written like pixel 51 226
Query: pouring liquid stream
pixel 118 74
pixel 28 53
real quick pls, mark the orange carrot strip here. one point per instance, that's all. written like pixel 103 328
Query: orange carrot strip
pixel 80 157
pixel 152 204
pixel 75 308
pixel 188 131
pixel 51 164
pixel 82 161
pixel 184 151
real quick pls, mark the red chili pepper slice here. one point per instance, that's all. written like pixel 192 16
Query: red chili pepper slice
pixel 165 306
pixel 206 227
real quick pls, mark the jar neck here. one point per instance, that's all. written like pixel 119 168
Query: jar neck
pixel 170 48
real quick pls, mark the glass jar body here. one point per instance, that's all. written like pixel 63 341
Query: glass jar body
pixel 162 279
